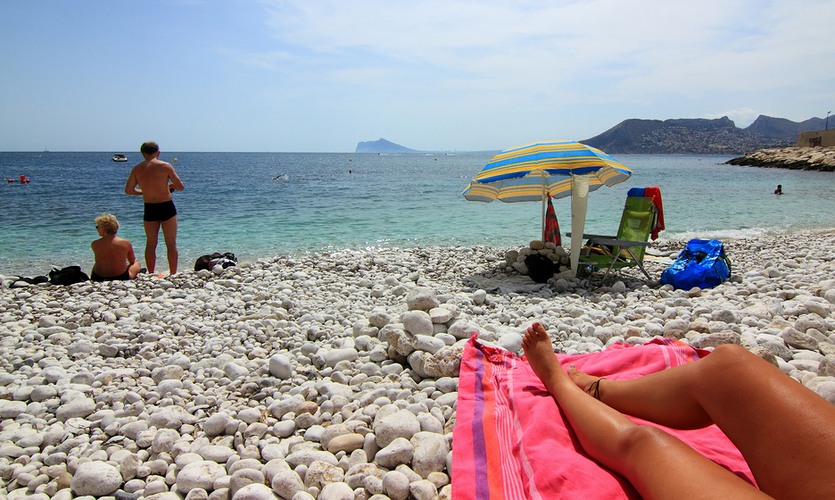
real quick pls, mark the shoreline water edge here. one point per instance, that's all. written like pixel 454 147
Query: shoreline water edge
pixel 334 375
pixel 231 204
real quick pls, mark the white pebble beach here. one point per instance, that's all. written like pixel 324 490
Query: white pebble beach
pixel 334 376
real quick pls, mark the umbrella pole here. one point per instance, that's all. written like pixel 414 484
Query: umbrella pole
pixel 544 208
pixel 579 203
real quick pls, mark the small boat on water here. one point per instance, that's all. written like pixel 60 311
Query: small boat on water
pixel 119 157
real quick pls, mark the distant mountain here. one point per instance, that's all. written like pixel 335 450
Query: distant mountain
pixel 382 146
pixel 700 136
pixel 781 128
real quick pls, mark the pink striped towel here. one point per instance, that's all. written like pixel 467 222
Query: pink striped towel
pixel 511 441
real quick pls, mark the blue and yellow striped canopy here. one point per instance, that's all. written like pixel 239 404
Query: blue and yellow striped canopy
pixel 530 172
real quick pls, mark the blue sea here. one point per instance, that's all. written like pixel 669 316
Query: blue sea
pixel 337 201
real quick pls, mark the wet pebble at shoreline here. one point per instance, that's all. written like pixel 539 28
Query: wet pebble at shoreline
pixel 335 376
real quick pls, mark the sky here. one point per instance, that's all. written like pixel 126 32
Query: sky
pixel 440 75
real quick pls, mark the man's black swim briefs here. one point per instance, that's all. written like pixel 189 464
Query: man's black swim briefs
pixel 159 212
pixel 124 276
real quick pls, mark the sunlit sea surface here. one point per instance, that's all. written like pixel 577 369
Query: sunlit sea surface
pixel 338 201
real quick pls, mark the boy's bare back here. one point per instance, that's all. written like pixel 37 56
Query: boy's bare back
pixel 153 176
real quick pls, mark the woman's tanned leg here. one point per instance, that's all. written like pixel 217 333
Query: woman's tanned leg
pixel 657 464
pixel 785 431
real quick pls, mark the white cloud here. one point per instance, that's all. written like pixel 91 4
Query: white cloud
pixel 637 46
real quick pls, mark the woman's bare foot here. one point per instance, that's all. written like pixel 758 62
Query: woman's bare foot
pixel 540 354
pixel 590 384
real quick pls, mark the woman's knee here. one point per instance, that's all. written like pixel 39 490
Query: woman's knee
pixel 732 353
pixel 641 440
pixel 729 364
pixel 729 356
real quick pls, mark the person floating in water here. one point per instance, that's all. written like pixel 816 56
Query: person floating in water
pixel 779 189
pixel 115 259
pixel 764 412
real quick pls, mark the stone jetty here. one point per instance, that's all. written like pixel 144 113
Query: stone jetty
pixel 335 376
pixel 813 158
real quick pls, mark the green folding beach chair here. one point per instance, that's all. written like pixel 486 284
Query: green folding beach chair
pixel 628 247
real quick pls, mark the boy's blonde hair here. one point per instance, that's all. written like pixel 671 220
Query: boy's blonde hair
pixel 108 222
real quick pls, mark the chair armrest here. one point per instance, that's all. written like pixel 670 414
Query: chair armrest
pixel 622 243
pixel 594 236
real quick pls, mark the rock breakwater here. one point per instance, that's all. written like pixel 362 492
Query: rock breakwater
pixel 814 158
pixel 334 376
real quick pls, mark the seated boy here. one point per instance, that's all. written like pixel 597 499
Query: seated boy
pixel 114 256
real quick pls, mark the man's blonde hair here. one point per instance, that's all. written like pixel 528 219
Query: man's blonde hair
pixel 108 222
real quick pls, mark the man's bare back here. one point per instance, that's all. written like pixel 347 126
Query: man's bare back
pixel 153 176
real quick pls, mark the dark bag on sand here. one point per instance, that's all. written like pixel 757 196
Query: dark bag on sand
pixel 208 262
pixel 702 263
pixel 67 276
pixel 540 267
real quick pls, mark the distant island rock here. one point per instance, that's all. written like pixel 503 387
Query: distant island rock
pixel 700 135
pixel 382 146
pixel 815 158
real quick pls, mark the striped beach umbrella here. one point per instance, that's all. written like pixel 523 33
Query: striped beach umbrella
pixel 534 171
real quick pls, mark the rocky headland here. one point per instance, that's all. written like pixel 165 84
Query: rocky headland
pixel 813 158
pixel 701 136
pixel 335 376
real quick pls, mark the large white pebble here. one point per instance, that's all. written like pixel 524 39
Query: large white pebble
pixel 201 474
pixel 423 490
pixel 234 371
pixel 430 453
pixel 421 298
pixel 307 456
pixel 287 483
pixel 76 408
pixel 321 473
pixel 254 491
pixel 96 479
pixel 417 323
pixel 216 453
pixel 216 424
pixel 462 330
pixel 400 424
pixel 396 485
pixel 195 494
pixel 334 356
pixel 440 315
pixel 164 440
pixel 399 451
pixel 280 367
pixel 428 344
pixel 243 477
pixel 336 491
pixel 11 409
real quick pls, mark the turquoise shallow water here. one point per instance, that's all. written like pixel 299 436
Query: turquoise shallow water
pixel 232 204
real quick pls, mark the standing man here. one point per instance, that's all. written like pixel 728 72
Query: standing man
pixel 156 180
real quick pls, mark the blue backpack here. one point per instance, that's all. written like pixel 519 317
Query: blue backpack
pixel 702 263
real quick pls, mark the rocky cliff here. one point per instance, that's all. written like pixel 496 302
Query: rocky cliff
pixel 818 158
pixel 700 136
